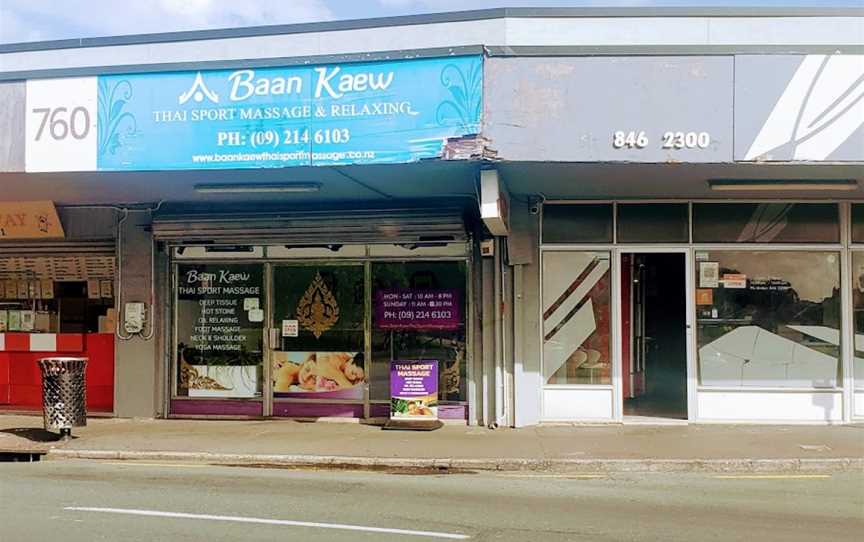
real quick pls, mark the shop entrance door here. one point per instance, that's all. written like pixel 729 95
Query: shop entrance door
pixel 319 340
pixel 654 324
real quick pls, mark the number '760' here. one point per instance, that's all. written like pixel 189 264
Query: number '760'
pixel 61 125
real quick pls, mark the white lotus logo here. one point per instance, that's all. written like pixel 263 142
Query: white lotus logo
pixel 821 107
pixel 197 92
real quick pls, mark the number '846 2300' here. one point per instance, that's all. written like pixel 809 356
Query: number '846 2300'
pixel 634 139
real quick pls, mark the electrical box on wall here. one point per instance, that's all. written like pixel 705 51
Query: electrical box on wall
pixel 133 317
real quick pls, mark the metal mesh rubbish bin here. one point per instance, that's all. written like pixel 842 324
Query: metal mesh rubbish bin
pixel 64 404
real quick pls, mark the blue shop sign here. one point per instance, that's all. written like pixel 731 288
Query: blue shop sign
pixel 335 114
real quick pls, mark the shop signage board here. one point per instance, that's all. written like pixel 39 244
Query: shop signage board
pixel 29 220
pixel 799 107
pixel 335 114
pixel 414 390
pixel 414 308
pixel 611 109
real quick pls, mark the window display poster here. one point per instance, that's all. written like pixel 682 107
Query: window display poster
pixel 412 308
pixel 318 375
pixel 216 295
pixel 709 274
pixel 414 389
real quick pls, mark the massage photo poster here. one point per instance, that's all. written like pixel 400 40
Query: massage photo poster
pixel 414 389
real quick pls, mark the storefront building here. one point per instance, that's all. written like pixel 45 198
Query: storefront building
pixel 578 215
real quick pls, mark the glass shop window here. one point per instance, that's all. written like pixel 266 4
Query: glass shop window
pixel 320 314
pixel 653 223
pixel 57 295
pixel 576 224
pixel 576 318
pixel 766 223
pixel 768 319
pixel 220 330
pixel 419 312
pixel 858 314
pixel 858 222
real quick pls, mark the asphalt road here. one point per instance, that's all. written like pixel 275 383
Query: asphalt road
pixel 79 501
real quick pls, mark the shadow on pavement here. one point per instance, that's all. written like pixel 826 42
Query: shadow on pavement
pixel 33 434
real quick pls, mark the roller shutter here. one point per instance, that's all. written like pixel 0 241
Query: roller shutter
pixel 314 227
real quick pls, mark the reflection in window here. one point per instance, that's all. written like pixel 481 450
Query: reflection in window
pixel 576 318
pixel 858 312
pixel 220 322
pixel 437 334
pixel 766 223
pixel 582 223
pixel 768 319
pixel 653 223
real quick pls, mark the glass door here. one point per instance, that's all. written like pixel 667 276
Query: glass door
pixel 219 339
pixel 319 340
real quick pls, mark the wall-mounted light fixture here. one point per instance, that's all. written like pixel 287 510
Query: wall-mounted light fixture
pixel 775 185
pixel 256 188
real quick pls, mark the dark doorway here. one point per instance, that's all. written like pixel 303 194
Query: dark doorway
pixel 655 322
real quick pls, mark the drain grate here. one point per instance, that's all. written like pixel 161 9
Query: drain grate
pixel 20 457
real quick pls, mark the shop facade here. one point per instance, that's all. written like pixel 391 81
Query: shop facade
pixel 651 228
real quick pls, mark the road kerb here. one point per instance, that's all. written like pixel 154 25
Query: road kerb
pixel 474 464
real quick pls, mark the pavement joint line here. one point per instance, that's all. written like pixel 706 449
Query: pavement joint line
pixel 266 521
pixel 586 465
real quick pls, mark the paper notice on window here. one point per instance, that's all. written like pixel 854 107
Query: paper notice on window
pixel 709 274
pixel 704 296
pixel 290 328
pixel 734 281
pixel 250 303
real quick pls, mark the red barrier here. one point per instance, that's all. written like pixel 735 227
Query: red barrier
pixel 21 381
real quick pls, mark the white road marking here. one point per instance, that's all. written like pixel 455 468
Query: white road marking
pixel 240 519
pixel 773 477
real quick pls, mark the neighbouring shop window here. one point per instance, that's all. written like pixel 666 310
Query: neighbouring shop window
pixel 44 294
pixel 576 318
pixel 766 223
pixel 319 313
pixel 858 313
pixel 768 318
pixel 582 223
pixel 653 223
pixel 857 223
pixel 220 330
pixel 419 313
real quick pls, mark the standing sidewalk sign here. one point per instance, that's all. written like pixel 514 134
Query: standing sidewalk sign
pixel 414 394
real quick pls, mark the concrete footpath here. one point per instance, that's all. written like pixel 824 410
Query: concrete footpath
pixel 579 448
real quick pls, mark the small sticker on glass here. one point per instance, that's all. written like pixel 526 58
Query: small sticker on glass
pixel 290 328
pixel 256 315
